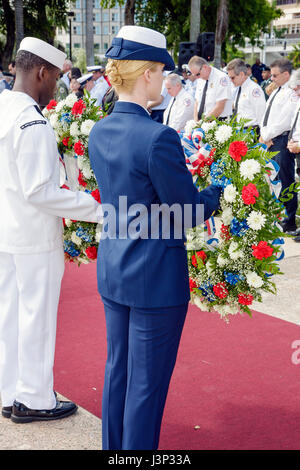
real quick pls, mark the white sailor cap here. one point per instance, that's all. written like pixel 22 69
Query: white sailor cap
pixel 95 68
pixel 139 43
pixel 44 50
pixel 84 78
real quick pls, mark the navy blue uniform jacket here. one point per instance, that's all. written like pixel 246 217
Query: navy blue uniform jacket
pixel 136 157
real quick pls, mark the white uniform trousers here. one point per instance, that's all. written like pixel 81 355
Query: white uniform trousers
pixel 29 296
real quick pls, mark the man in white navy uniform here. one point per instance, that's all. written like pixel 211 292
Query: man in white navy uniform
pixel 181 107
pixel 100 84
pixel 190 80
pixel 274 131
pixel 158 107
pixel 249 100
pixel 213 97
pixel 32 206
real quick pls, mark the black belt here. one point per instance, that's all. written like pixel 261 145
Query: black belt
pixel 284 134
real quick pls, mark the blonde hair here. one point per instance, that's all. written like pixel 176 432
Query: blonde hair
pixel 123 74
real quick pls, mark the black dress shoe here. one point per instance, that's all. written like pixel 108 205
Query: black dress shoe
pixel 297 239
pixel 6 411
pixel 289 229
pixel 22 414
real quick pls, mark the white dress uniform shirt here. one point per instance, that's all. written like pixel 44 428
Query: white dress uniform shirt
pixel 282 110
pixel 99 90
pixel 219 88
pixel 296 132
pixel 190 87
pixel 179 111
pixel 31 202
pixel 251 104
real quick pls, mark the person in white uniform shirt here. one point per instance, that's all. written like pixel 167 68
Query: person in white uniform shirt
pixel 249 100
pixel 158 107
pixel 181 107
pixel 190 80
pixel 32 206
pixel 213 96
pixel 274 130
pixel 66 69
pixel 294 134
pixel 100 84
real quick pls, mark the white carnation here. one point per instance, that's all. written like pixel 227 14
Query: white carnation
pixel 74 130
pixel 189 126
pixel 75 239
pixel 71 100
pixel 53 120
pixel 249 168
pixel 230 193
pixel 60 106
pixel 198 303
pixel 223 133
pixel 86 171
pixel 225 310
pixel 253 280
pixel 207 126
pixel 227 216
pixel 256 220
pixel 234 252
pixel 87 126
pixel 221 261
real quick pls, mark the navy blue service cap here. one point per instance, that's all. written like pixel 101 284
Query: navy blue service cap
pixel 139 43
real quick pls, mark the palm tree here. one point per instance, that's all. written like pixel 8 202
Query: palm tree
pixel 221 30
pixel 89 33
pixel 195 20
pixel 129 12
pixel 19 18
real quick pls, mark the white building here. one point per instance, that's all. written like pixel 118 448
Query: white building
pixel 107 22
pixel 273 47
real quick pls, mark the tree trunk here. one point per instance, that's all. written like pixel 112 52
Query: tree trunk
pixel 221 30
pixel 129 12
pixel 19 17
pixel 9 19
pixel 89 33
pixel 195 20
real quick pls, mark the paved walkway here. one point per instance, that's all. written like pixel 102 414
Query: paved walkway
pixel 83 430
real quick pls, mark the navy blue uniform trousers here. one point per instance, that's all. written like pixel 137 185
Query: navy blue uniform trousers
pixel 142 345
pixel 286 162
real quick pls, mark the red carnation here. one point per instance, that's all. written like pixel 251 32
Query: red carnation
pixel 65 186
pixel 262 250
pixel 193 284
pixel 220 290
pixel 237 150
pixel 249 193
pixel 65 141
pixel 79 148
pixel 199 254
pixel 81 179
pixel 245 299
pixel 91 252
pixel 96 195
pixel 51 105
pixel 78 107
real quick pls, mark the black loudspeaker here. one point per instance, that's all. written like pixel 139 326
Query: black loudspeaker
pixel 186 51
pixel 206 46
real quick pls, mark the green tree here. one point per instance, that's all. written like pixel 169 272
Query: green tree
pixel 19 17
pixel 41 18
pixel 294 56
pixel 129 14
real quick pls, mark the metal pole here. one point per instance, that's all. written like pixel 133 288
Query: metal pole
pixel 70 35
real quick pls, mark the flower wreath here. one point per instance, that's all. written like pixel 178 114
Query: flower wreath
pixel 232 265
pixel 72 120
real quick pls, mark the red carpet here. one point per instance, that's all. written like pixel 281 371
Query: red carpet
pixel 236 381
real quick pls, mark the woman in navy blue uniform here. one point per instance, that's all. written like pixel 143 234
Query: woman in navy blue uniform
pixel 143 279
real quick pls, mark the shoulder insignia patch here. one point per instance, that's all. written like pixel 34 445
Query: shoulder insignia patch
pixel 32 123
pixel 256 92
pixel 223 81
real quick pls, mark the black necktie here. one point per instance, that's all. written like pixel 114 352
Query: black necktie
pixel 235 109
pixel 201 109
pixel 168 118
pixel 269 108
pixel 294 125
